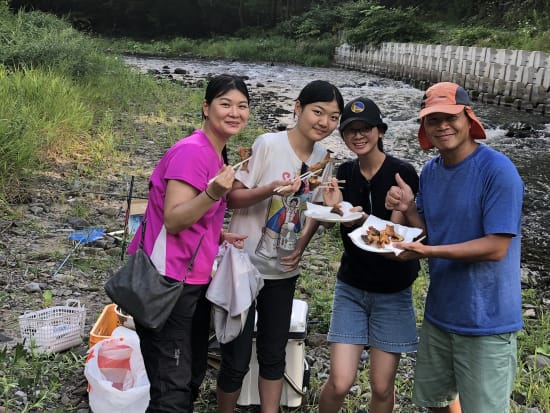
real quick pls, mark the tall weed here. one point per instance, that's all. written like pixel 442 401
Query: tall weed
pixel 42 113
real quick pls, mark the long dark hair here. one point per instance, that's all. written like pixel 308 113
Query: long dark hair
pixel 220 85
pixel 320 91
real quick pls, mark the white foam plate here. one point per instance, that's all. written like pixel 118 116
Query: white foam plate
pixel 322 213
pixel 408 233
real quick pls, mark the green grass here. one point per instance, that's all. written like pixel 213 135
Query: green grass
pixel 310 52
pixel 41 111
pixel 41 377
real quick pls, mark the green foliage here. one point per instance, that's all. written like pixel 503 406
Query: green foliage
pixel 41 111
pixel 353 12
pixel 47 298
pixel 306 51
pixel 380 24
pixel 318 21
pixel 41 40
pixel 39 375
pixel 60 97
pixel 532 381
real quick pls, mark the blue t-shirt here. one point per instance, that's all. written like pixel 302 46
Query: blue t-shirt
pixel 481 195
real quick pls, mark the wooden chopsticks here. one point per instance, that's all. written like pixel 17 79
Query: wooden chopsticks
pixel 305 175
pixel 237 165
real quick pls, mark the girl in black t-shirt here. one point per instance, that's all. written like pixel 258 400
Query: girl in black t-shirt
pixel 373 294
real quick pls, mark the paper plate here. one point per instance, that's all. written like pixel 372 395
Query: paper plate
pixel 408 233
pixel 322 213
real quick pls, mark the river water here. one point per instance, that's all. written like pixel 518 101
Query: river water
pixel 523 137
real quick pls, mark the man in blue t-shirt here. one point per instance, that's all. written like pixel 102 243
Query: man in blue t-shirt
pixel 469 204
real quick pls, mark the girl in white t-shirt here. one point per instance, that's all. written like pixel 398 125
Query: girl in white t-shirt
pixel 264 198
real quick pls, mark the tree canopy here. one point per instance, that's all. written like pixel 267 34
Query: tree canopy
pixel 370 21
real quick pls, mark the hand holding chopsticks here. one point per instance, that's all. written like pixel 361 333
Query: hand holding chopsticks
pixel 220 184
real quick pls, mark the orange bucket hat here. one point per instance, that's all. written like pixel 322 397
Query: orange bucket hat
pixel 447 97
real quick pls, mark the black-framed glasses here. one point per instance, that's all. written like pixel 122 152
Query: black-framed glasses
pixel 352 132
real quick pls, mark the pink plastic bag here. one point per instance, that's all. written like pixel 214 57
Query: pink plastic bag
pixel 117 380
pixel 113 359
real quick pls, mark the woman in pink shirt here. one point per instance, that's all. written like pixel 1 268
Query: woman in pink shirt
pixel 184 218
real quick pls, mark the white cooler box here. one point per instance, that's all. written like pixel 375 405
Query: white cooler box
pixel 297 370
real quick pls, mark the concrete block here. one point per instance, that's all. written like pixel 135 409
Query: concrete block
pixel 509 89
pixel 505 57
pixel 446 76
pixel 454 64
pixel 443 64
pixel 435 76
pixel 491 55
pixel 526 93
pixel 513 73
pixel 430 49
pixel 460 52
pixel 522 57
pixel 458 78
pixel 421 62
pixel 486 84
pixel 499 86
pixel 421 49
pixel 405 59
pixel 497 71
pixel 482 69
pixel 528 74
pixel 537 59
pixel 416 60
pixel 431 63
pixel 471 82
pixel 477 53
pixel 449 52
pixel 466 67
pixel 546 78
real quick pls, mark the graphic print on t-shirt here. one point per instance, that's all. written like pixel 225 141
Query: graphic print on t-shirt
pixel 281 211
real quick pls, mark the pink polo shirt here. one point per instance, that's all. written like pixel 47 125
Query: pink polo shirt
pixel 194 161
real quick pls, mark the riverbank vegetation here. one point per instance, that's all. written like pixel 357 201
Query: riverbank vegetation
pixel 310 38
pixel 302 31
pixel 74 113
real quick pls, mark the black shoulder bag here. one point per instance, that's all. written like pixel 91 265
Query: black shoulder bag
pixel 141 291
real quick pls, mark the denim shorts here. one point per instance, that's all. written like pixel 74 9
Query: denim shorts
pixel 479 369
pixel 385 321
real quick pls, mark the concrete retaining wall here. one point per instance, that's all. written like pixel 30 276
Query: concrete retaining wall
pixel 515 78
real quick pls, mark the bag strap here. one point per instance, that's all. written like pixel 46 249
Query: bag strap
pixel 143 223
pixel 191 263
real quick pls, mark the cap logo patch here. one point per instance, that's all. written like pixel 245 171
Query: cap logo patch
pixel 357 107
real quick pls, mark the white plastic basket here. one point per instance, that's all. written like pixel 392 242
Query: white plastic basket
pixel 55 328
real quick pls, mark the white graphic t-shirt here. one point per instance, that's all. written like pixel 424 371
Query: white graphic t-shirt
pixel 273 159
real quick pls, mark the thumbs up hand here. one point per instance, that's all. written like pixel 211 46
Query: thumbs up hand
pixel 400 197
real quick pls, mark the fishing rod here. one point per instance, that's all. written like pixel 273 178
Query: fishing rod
pixel 127 216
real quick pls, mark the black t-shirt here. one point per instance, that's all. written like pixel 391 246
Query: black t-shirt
pixel 362 269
